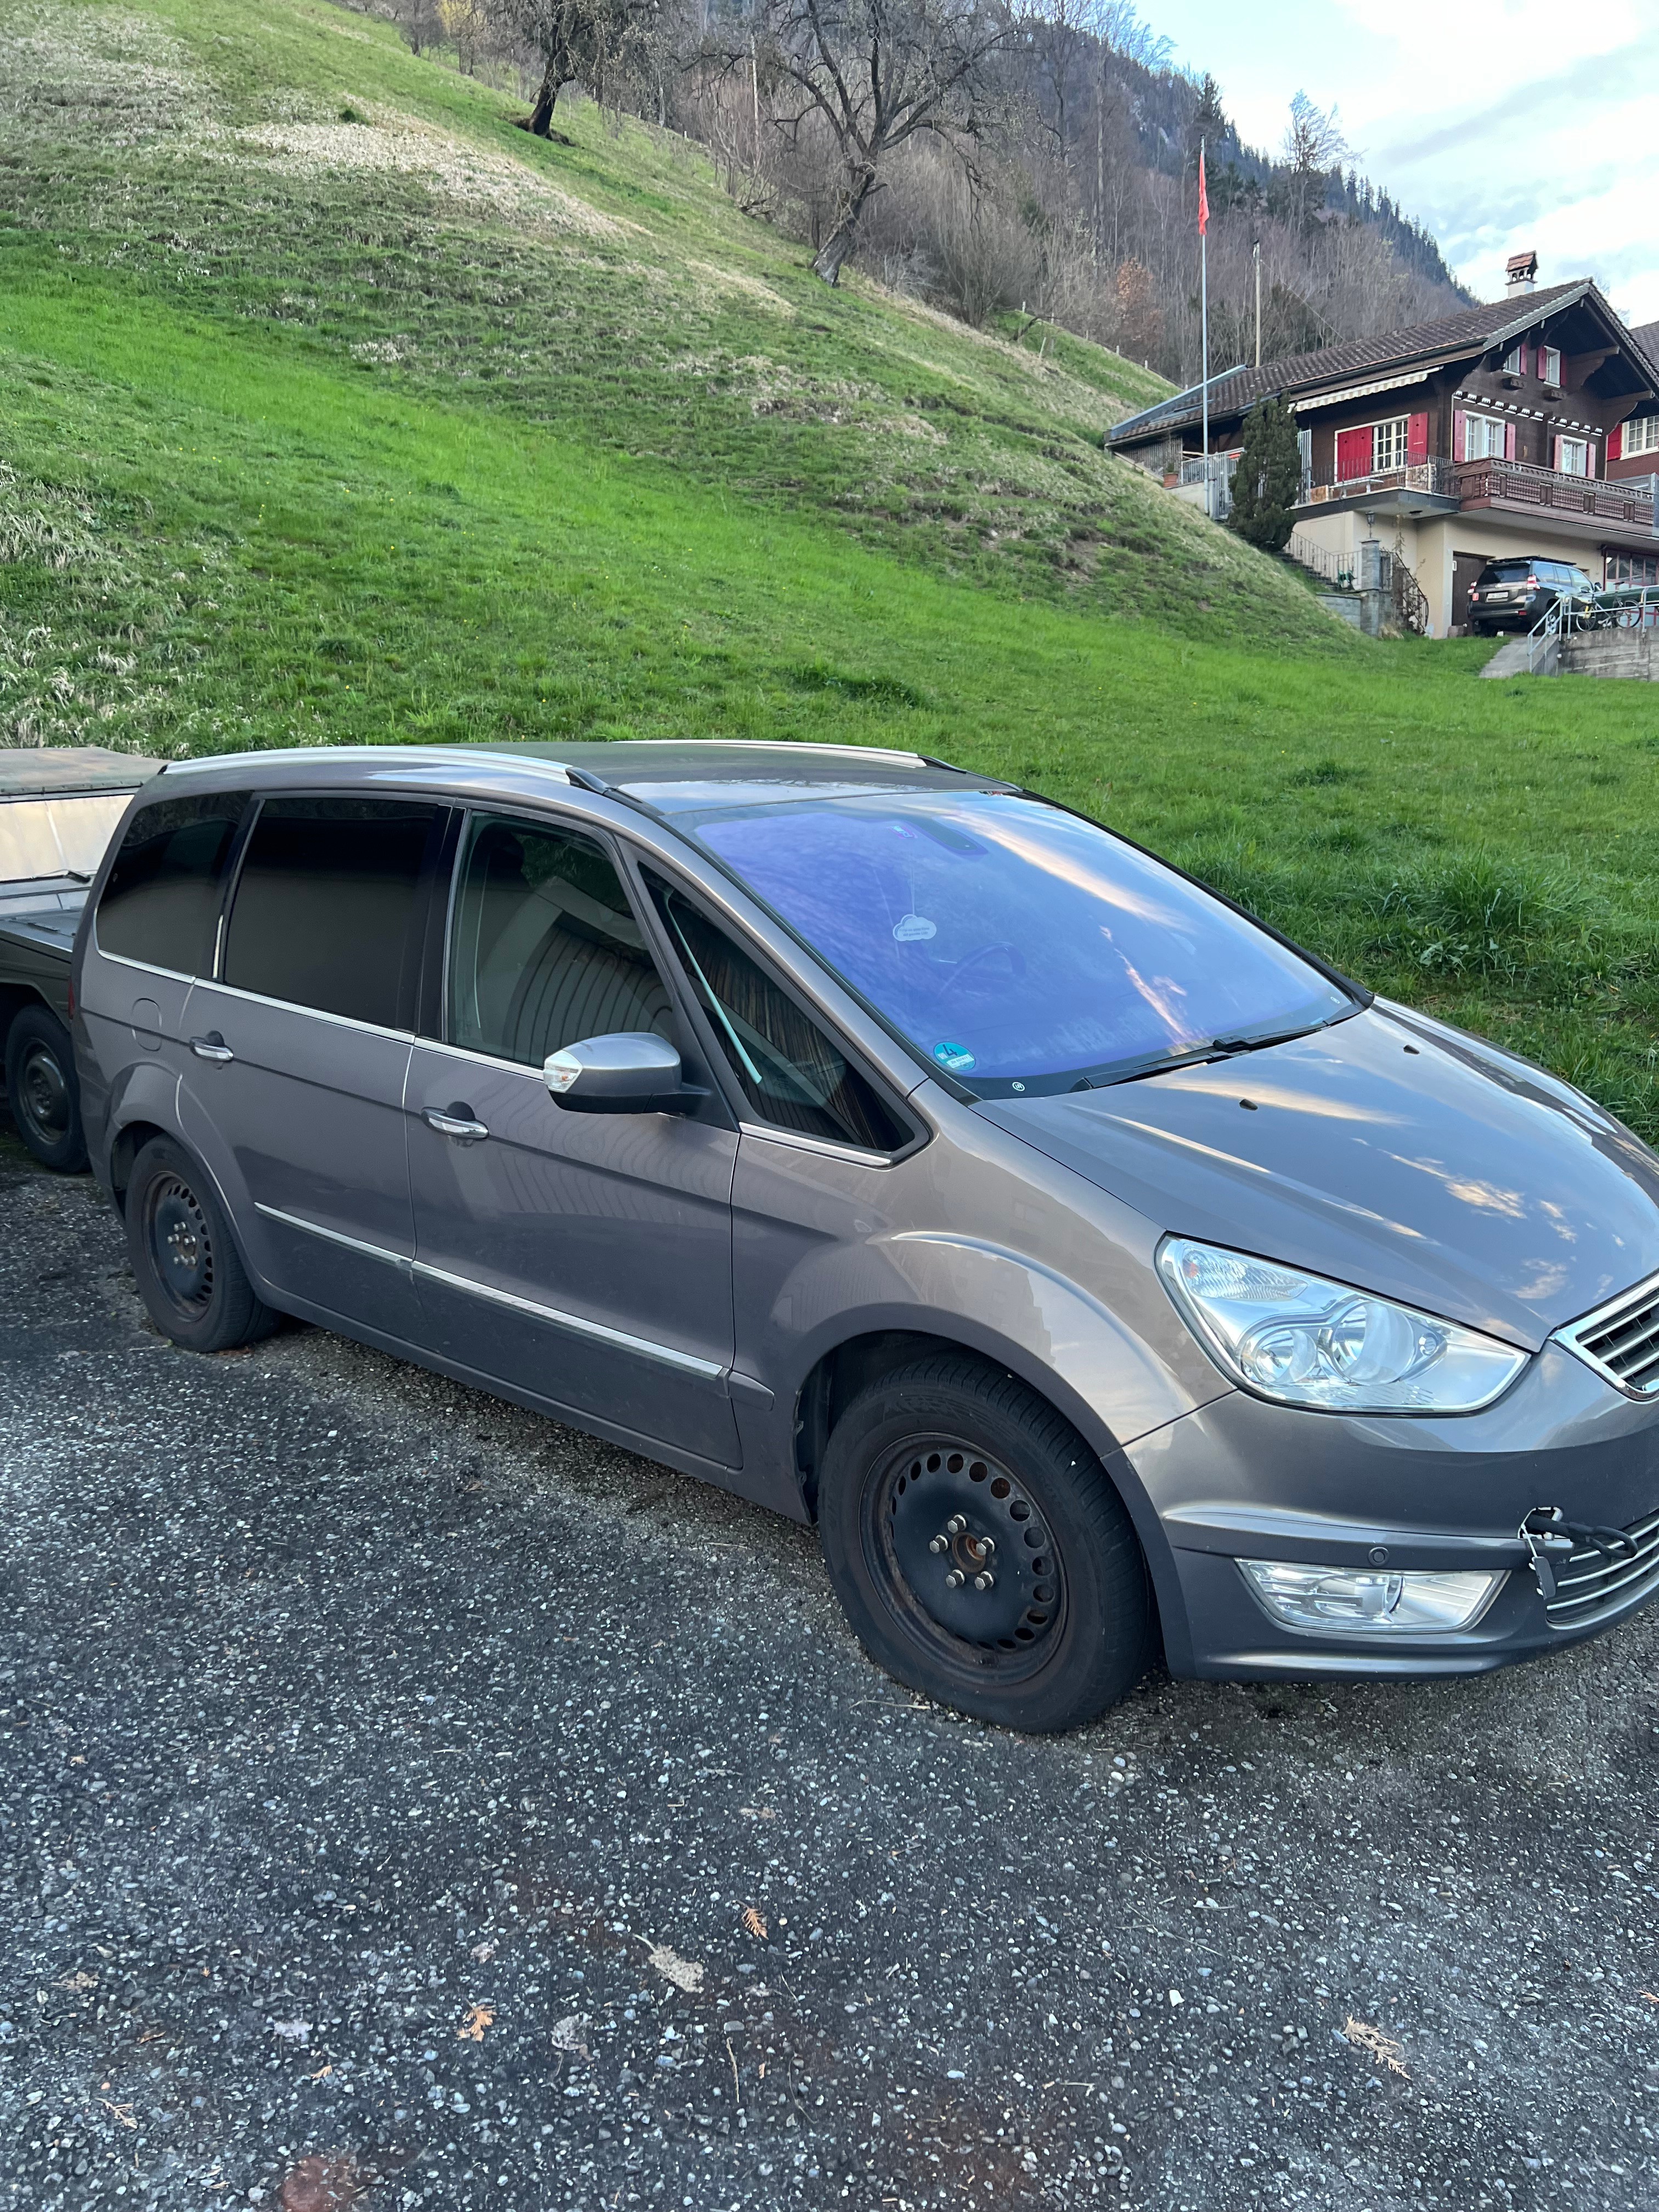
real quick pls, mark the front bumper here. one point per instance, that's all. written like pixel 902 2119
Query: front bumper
pixel 1241 1478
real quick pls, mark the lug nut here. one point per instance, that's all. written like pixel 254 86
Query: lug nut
pixel 988 1545
pixel 955 1525
pixel 953 1580
pixel 984 1582
pixel 938 1544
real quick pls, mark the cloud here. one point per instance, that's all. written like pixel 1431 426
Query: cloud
pixel 1591 75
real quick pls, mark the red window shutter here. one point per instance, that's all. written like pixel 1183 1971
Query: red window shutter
pixel 1616 442
pixel 1555 453
pixel 1417 439
pixel 1526 358
pixel 1508 441
pixel 1460 435
pixel 1353 455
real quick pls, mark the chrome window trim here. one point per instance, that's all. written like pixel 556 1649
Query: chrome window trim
pixel 665 1355
pixel 797 1141
pixel 1646 1292
pixel 144 967
pixel 298 1006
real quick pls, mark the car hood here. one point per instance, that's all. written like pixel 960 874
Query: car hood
pixel 1390 1152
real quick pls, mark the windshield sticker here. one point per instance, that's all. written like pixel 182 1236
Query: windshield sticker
pixel 956 1057
pixel 912 928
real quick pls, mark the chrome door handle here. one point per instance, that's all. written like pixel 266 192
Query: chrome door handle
pixel 211 1047
pixel 457 1123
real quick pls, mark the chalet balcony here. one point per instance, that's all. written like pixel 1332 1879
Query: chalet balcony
pixel 1587 505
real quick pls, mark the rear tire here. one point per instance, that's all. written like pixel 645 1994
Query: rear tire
pixel 190 1274
pixel 42 1092
pixel 980 1549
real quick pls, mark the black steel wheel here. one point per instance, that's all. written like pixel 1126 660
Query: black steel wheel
pixel 980 1548
pixel 185 1260
pixel 42 1092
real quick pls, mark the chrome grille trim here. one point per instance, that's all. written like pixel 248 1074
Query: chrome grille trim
pixel 1589 1583
pixel 1620 1339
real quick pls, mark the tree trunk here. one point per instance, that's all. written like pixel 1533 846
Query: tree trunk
pixel 837 249
pixel 554 77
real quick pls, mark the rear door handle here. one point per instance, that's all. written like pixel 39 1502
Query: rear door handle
pixel 211 1047
pixel 456 1123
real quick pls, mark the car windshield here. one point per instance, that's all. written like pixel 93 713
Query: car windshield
pixel 1017 946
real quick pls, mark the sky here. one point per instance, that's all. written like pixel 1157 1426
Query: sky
pixel 1505 125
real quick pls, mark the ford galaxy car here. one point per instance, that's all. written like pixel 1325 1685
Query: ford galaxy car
pixel 908 1155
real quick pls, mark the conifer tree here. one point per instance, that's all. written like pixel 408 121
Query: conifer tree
pixel 1269 476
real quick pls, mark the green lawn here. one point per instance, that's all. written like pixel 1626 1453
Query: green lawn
pixel 228 518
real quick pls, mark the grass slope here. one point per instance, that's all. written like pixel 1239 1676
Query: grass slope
pixel 458 435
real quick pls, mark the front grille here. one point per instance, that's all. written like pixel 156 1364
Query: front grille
pixel 1620 1339
pixel 1589 1583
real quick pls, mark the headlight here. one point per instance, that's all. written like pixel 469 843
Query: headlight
pixel 1307 1342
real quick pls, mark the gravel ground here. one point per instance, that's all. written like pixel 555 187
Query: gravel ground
pixel 405 1798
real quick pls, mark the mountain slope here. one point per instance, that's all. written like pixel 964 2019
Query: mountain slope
pixel 292 167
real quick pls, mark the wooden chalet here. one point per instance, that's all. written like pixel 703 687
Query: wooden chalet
pixel 1530 427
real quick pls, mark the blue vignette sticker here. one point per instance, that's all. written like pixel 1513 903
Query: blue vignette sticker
pixel 955 1057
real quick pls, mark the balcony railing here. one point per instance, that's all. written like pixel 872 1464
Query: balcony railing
pixel 1517 484
pixel 1435 477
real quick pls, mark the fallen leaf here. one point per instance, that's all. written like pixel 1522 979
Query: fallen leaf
pixel 81 1981
pixel 321 2074
pixel 325 2183
pixel 1371 2040
pixel 685 1973
pixel 478 2017
pixel 569 2033
pixel 122 2113
pixel 757 1812
pixel 754 1923
pixel 484 1953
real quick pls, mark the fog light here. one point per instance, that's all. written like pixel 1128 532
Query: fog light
pixel 1367 1601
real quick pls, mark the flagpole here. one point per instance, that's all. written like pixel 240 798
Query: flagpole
pixel 1204 296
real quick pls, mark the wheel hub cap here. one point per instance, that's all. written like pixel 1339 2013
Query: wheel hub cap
pixel 972 1547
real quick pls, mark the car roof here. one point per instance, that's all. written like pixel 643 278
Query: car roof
pixel 66 771
pixel 669 773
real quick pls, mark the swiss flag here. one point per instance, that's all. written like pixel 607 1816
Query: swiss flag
pixel 1203 197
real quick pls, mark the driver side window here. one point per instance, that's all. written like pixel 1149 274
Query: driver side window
pixel 544 948
pixel 791 1073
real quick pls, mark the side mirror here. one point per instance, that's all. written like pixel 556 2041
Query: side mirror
pixel 630 1071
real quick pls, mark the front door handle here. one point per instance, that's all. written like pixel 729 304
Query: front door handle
pixel 211 1047
pixel 457 1122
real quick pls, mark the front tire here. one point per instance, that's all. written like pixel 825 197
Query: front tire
pixel 42 1091
pixel 980 1549
pixel 190 1274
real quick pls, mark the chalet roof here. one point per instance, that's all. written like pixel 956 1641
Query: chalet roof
pixel 1646 336
pixel 1423 344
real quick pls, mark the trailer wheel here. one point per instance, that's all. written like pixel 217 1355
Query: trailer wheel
pixel 41 1090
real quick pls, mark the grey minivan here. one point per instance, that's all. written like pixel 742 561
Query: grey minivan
pixel 910 1155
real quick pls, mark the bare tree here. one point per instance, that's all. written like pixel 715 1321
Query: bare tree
pixel 1314 147
pixel 573 42
pixel 879 73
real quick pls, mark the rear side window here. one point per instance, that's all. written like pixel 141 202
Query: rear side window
pixel 161 904
pixel 329 906
pixel 544 949
pixel 1507 572
pixel 792 1075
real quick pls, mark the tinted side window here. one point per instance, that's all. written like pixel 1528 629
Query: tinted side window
pixel 544 949
pixel 328 906
pixel 791 1073
pixel 161 904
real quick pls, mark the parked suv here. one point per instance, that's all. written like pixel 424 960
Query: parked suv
pixel 1514 594
pixel 908 1154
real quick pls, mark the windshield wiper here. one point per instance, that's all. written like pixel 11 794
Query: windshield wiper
pixel 1223 1047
